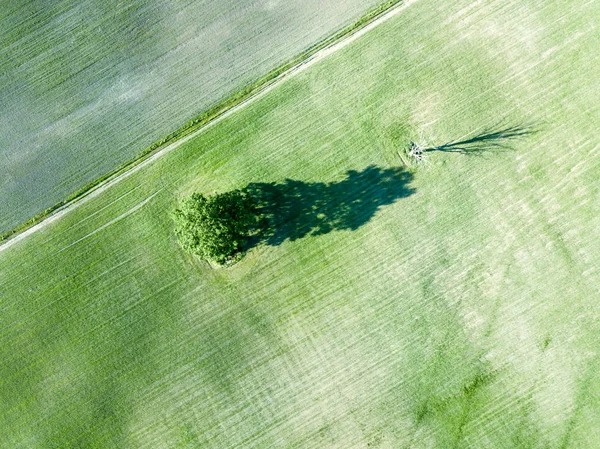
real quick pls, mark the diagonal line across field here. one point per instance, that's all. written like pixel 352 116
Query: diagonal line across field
pixel 312 59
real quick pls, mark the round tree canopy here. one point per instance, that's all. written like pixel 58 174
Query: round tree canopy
pixel 215 227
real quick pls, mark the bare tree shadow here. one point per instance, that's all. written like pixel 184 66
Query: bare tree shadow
pixel 493 139
pixel 292 209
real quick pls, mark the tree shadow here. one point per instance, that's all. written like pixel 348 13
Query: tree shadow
pixel 492 139
pixel 292 209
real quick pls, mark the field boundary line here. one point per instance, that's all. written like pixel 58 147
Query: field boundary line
pixel 221 111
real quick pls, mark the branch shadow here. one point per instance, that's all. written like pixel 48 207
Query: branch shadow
pixel 493 139
pixel 291 210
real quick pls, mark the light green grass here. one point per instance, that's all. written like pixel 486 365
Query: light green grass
pixel 85 85
pixel 464 315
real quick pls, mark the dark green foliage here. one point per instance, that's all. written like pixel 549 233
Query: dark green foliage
pixel 215 227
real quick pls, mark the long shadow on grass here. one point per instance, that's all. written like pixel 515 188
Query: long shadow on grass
pixel 292 209
pixel 494 139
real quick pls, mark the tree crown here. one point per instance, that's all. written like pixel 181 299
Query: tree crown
pixel 215 227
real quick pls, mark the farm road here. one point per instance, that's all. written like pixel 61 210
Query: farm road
pixel 299 68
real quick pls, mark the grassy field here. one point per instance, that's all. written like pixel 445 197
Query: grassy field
pixel 449 305
pixel 86 86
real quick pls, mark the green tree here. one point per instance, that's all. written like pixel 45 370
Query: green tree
pixel 215 227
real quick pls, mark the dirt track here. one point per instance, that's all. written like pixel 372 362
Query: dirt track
pixel 315 58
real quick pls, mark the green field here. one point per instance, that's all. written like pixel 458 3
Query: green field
pixel 451 305
pixel 85 85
